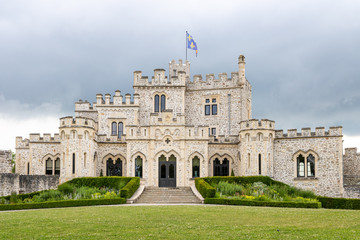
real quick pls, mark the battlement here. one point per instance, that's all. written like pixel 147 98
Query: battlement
pixel 36 137
pixel 160 79
pixel 22 143
pixel 306 132
pixel 254 124
pixel 352 152
pixel 71 122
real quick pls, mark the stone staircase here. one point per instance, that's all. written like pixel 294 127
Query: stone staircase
pixel 156 195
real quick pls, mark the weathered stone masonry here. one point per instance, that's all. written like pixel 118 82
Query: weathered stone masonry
pixel 175 128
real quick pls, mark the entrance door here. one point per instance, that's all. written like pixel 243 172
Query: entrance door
pixel 167 173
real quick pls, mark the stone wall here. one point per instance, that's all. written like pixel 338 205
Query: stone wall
pixel 26 183
pixel 5 161
pixel 326 147
pixel 352 165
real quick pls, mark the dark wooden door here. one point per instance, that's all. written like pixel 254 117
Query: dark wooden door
pixel 167 173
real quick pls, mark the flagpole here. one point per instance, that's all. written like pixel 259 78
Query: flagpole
pixel 186 46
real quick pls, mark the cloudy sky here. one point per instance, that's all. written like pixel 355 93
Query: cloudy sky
pixel 302 57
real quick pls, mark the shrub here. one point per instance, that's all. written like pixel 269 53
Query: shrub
pixel 64 203
pixel 130 188
pixel 101 182
pixel 262 203
pixel 14 198
pixel 339 203
pixel 204 188
pixel 229 189
pixel 66 188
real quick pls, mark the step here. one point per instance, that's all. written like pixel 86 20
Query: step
pixel 156 195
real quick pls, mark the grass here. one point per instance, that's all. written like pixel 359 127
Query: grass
pixel 180 222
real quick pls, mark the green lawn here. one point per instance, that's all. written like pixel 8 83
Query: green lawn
pixel 180 222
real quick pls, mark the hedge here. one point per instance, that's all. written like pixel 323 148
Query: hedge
pixel 223 201
pixel 243 180
pixel 204 188
pixel 339 203
pixel 99 182
pixel 63 203
pixel 130 188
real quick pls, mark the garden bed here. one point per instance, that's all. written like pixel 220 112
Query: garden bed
pixel 77 192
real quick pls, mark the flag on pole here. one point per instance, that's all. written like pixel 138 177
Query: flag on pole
pixel 191 43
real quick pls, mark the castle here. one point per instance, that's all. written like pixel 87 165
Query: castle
pixel 174 129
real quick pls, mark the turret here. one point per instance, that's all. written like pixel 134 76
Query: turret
pixel 241 63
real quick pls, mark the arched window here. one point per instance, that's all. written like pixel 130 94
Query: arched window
pixel 259 136
pixel 121 129
pixel 73 134
pixel 62 135
pixel 310 166
pixel 113 128
pixel 300 166
pixel 305 164
pixel 73 163
pixel 225 167
pixel 28 168
pixel 248 160
pixel 156 103
pixel 84 160
pixel 138 167
pixel 49 167
pixel 163 102
pixel 57 166
pixel 247 137
pixel 217 167
pixel 259 164
pixel 195 167
pixel 86 135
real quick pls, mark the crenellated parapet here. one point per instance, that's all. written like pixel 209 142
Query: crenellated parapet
pixel 160 79
pixel 77 122
pixel 254 124
pixel 22 143
pixel 46 137
pixel 306 132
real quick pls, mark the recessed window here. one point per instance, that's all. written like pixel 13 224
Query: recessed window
pixel 211 108
pixel 156 103
pixel 207 109
pixel 305 165
pixel 113 128
pixel 120 130
pixel 163 102
pixel 213 131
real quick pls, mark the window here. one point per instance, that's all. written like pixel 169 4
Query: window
pixel 259 164
pixel 221 169
pixel 121 129
pixel 28 168
pixel 73 163
pixel 138 167
pixel 163 99
pixel 49 166
pixel 113 128
pixel 207 109
pixel 57 166
pixel 195 167
pixel 214 109
pixel 211 106
pixel 300 166
pixel 248 160
pixel 156 103
pixel 213 131
pixel 310 166
pixel 84 160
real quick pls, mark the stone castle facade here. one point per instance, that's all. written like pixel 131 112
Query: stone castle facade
pixel 174 129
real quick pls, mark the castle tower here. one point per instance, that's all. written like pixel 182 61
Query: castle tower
pixel 257 147
pixel 77 148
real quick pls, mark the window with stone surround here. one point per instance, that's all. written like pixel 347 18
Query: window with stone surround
pixel 211 108
pixel 49 167
pixel 156 103
pixel 305 164
pixel 113 128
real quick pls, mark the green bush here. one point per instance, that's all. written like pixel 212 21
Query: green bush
pixel 130 188
pixel 223 201
pixel 204 188
pixel 101 182
pixel 66 188
pixel 229 189
pixel 14 198
pixel 339 203
pixel 213 181
pixel 64 203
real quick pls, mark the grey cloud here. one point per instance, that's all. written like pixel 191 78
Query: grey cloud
pixel 302 57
